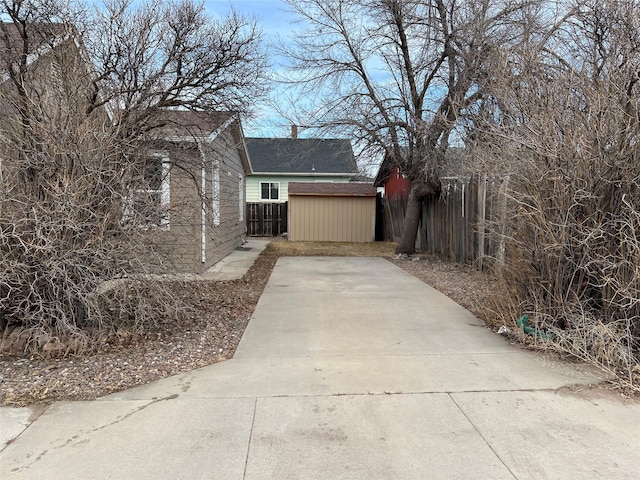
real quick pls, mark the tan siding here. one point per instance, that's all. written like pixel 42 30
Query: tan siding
pixel 227 236
pixel 181 245
pixel 332 219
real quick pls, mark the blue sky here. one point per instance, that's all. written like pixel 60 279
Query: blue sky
pixel 276 23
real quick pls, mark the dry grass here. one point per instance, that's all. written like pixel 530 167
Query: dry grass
pixel 285 248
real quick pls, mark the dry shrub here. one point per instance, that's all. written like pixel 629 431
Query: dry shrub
pixel 55 270
pixel 569 136
pixel 81 92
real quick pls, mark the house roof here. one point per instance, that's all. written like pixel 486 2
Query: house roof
pixel 179 126
pixel 38 35
pixel 187 123
pixel 301 155
pixel 332 189
pixel 383 172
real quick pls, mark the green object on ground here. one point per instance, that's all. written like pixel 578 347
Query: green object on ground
pixel 522 323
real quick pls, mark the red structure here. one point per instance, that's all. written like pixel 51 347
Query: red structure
pixel 394 183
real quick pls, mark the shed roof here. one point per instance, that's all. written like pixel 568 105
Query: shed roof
pixel 301 155
pixel 332 189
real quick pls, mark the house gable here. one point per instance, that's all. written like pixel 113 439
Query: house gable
pixel 276 162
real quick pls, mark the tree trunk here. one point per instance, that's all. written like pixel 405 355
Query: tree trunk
pixel 407 243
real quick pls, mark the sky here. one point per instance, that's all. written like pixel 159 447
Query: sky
pixel 277 23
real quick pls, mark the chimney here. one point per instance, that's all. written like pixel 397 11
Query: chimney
pixel 294 131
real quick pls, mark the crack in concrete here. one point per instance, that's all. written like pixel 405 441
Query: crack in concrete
pixel 484 439
pixel 253 421
pixel 137 410
pixel 36 412
pixel 75 437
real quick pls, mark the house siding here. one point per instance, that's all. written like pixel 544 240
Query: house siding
pixel 178 245
pixel 253 184
pixel 396 186
pixel 182 243
pixel 224 235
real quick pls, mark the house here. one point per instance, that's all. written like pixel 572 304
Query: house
pixel 185 201
pixel 397 186
pixel 278 161
pixel 199 164
pixel 389 178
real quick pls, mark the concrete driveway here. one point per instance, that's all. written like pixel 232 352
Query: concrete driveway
pixel 350 369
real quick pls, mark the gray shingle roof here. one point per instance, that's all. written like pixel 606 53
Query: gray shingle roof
pixel 301 155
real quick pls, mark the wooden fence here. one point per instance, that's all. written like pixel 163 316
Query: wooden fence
pixel 465 223
pixel 266 219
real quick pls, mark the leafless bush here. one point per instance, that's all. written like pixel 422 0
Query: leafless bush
pixel 564 123
pixel 78 193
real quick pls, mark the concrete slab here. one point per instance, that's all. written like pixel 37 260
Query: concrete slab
pixel 14 421
pixel 237 263
pixel 367 437
pixel 558 434
pixel 164 439
pixel 343 307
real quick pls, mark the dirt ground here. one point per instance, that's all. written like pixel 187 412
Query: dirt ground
pixel 220 313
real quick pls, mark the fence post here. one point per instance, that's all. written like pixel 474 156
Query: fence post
pixel 502 208
pixel 482 210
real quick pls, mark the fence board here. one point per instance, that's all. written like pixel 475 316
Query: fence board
pixel 266 219
pixel 456 224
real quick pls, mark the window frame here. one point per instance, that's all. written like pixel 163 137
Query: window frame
pixel 270 190
pixel 164 192
pixel 240 197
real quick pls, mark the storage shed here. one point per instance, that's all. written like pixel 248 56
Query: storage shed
pixel 332 212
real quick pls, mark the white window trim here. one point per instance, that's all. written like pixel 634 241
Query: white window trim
pixel 269 199
pixel 165 195
pixel 215 192
pixel 240 197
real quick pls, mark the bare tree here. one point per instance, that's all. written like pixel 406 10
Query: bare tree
pixel 399 76
pixel 81 93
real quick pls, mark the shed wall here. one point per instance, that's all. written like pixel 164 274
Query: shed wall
pixel 332 219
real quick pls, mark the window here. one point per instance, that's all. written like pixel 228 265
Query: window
pixel 148 204
pixel 269 190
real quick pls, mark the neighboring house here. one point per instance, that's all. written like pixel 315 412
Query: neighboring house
pixel 397 186
pixel 278 161
pixel 389 178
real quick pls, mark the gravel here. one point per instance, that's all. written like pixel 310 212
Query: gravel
pixel 464 284
pixel 219 314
